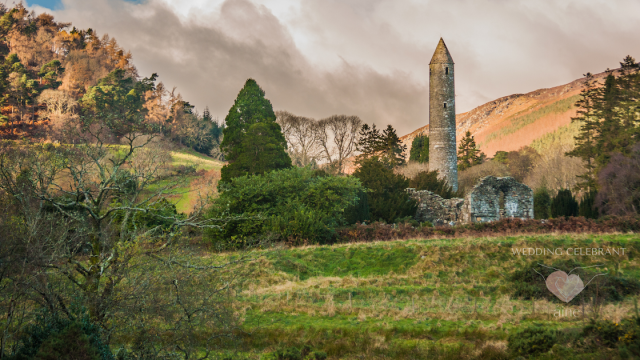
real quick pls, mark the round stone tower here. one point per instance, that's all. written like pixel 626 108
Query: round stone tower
pixel 442 116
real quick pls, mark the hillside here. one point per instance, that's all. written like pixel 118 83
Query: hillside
pixel 514 121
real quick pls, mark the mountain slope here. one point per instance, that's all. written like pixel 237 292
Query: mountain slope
pixel 514 121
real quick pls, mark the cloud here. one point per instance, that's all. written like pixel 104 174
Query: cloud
pixel 362 57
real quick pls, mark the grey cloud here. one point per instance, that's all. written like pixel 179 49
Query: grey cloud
pixel 209 60
pixel 366 57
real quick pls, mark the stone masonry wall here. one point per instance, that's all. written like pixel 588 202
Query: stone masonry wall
pixel 481 205
pixel 435 209
pixel 484 200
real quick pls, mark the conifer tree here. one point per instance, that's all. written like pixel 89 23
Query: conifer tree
pixel 610 120
pixel 468 153
pixel 585 140
pixel 564 204
pixel 253 142
pixel 392 148
pixel 420 149
pixel 541 203
pixel 386 145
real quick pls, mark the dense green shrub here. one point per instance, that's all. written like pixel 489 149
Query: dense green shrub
pixel 532 340
pixel 541 203
pixel 387 197
pixel 428 180
pixel 588 207
pixel 358 212
pixel 564 204
pixel 55 337
pixel 603 332
pixel 293 203
pixel 295 353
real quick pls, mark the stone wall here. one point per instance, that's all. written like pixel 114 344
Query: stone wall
pixel 484 200
pixel 481 205
pixel 435 209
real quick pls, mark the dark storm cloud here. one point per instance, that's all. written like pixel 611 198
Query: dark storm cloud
pixel 363 57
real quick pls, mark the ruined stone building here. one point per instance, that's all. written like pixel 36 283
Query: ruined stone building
pixel 493 197
pixel 442 116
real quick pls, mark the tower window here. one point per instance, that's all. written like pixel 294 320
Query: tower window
pixel 446 70
pixel 445 105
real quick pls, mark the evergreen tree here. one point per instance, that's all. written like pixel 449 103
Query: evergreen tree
pixel 386 145
pixel 564 204
pixel 428 180
pixel 420 149
pixel 588 207
pixel 253 142
pixel 359 212
pixel 369 141
pixel 541 203
pixel 387 197
pixel 393 151
pixel 585 140
pixel 468 153
pixel 609 119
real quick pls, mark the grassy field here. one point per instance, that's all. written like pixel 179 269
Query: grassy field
pixel 416 298
pixel 192 184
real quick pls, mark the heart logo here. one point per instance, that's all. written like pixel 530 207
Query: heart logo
pixel 564 286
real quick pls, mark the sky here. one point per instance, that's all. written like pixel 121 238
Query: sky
pixel 367 58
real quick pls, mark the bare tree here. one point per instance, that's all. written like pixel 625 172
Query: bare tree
pixel 300 135
pixel 337 136
pixel 59 102
pixel 91 221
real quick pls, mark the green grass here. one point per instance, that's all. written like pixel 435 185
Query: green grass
pixel 519 121
pixel 399 299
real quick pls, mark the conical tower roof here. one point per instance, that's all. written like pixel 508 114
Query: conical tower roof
pixel 441 55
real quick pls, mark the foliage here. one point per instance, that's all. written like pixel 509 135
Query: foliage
pixel 468 178
pixel 293 203
pixel 420 149
pixel 541 203
pixel 520 163
pixel 609 120
pixel 387 197
pixel 468 153
pixel 358 212
pixel 587 207
pixel 532 340
pixel 563 204
pixel 620 185
pixel 55 337
pixel 295 353
pixel 253 142
pixel 501 157
pixel 118 101
pixel 428 180
pixel 386 146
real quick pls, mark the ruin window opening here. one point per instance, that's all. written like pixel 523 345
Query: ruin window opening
pixel 445 105
pixel 446 70
pixel 501 202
